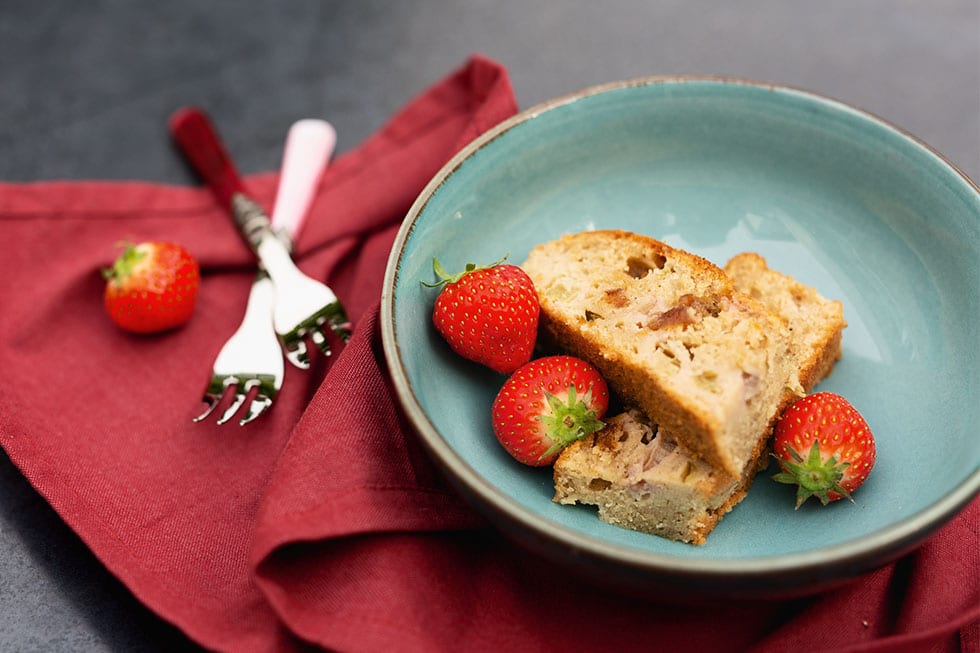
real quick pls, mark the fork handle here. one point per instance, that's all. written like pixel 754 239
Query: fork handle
pixel 198 140
pixel 309 144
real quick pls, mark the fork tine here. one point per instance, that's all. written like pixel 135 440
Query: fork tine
pixel 212 401
pixel 233 408
pixel 256 408
pixel 342 330
pixel 296 353
pixel 340 324
pixel 319 339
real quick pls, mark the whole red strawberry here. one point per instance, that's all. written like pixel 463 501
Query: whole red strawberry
pixel 837 444
pixel 151 287
pixel 546 405
pixel 488 314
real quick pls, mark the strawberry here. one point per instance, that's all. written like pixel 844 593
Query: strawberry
pixel 546 405
pixel 151 287
pixel 487 314
pixel 839 448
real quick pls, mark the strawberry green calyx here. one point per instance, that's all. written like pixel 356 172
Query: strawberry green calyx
pixel 123 266
pixel 569 421
pixel 444 278
pixel 814 477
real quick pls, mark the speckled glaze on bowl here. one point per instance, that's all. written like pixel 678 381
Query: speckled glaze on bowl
pixel 833 196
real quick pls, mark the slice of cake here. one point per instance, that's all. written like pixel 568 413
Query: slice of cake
pixel 815 323
pixel 672 336
pixel 640 479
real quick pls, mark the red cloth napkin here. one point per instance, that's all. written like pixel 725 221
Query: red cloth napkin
pixel 324 522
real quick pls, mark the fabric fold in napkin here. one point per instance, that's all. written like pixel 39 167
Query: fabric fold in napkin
pixel 324 522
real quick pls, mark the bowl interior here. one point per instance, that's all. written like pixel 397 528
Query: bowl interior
pixel 825 193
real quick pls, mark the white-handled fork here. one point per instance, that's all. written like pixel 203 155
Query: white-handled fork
pixel 251 361
pixel 306 309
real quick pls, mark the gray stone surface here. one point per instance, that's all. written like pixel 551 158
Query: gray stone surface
pixel 86 88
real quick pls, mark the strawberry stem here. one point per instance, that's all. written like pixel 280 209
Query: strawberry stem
pixel 569 421
pixel 123 266
pixel 444 277
pixel 814 477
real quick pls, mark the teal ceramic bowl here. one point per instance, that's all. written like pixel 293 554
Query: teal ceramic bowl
pixel 831 195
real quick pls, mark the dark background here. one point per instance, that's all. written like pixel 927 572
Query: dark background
pixel 86 89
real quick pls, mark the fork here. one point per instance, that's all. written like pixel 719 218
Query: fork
pixel 251 358
pixel 304 306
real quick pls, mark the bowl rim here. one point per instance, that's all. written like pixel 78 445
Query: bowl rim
pixel 857 555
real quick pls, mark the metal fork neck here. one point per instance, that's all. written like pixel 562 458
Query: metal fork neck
pixel 272 248
pixel 252 221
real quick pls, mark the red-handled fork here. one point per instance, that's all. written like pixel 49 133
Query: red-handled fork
pixel 303 305
pixel 250 360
